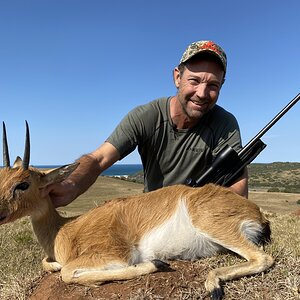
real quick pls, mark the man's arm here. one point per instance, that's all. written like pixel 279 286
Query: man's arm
pixel 90 167
pixel 240 186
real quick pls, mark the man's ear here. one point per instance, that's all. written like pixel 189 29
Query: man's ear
pixel 176 77
pixel 58 174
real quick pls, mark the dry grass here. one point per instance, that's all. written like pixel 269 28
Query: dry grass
pixel 283 280
pixel 20 259
pixel 20 256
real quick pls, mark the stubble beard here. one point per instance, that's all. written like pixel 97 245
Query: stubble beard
pixel 193 115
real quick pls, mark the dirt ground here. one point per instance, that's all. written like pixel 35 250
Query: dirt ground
pixel 175 284
pixel 185 279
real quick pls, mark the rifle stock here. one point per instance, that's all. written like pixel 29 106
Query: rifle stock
pixel 229 164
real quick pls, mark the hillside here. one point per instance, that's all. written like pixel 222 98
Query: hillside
pixel 275 177
pixel 272 177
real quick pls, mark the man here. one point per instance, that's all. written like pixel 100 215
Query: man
pixel 177 137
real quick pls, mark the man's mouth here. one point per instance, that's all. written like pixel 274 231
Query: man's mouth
pixel 199 104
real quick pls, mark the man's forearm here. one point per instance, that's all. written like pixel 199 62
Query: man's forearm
pixel 86 173
pixel 241 185
pixel 92 165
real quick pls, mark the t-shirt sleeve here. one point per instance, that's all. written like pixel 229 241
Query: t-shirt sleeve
pixel 137 126
pixel 131 131
pixel 126 134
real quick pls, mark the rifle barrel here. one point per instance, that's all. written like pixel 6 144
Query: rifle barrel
pixel 270 124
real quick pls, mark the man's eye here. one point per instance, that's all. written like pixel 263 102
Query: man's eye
pixel 23 186
pixel 214 87
pixel 193 81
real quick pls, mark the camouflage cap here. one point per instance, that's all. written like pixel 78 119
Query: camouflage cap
pixel 205 46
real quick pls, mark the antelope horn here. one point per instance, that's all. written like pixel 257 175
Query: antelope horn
pixel 6 162
pixel 26 157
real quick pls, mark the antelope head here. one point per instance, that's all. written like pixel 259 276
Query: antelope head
pixel 21 185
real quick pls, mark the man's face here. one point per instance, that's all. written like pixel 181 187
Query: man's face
pixel 198 87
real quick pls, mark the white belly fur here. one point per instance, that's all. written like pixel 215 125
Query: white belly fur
pixel 176 238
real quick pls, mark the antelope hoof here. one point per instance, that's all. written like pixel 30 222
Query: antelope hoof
pixel 161 265
pixel 217 294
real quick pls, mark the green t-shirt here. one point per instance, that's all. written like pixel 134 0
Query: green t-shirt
pixel 170 156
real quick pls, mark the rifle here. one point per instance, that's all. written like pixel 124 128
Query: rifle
pixel 229 164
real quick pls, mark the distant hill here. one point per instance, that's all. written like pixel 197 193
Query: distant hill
pixel 275 177
pixel 272 177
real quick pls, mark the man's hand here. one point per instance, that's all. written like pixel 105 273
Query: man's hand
pixel 90 167
pixel 61 194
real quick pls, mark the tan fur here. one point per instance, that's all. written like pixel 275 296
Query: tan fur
pixel 109 242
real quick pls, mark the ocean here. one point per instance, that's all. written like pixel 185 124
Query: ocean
pixel 123 169
pixel 114 170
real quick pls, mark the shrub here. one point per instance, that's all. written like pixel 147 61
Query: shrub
pixel 274 190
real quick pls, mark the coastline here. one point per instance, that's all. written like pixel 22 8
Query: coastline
pixel 116 170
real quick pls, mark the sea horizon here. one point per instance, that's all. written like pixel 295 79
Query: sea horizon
pixel 114 170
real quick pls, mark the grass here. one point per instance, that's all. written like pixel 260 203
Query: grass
pixel 20 259
pixel 283 280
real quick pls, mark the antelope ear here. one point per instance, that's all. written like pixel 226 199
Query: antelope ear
pixel 18 162
pixel 58 174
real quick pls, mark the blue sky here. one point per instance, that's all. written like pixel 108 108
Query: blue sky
pixel 73 68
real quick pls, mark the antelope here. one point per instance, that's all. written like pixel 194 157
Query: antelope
pixel 133 236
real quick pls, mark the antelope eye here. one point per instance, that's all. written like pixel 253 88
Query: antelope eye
pixel 23 186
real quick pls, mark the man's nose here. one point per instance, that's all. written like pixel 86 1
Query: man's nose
pixel 202 90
